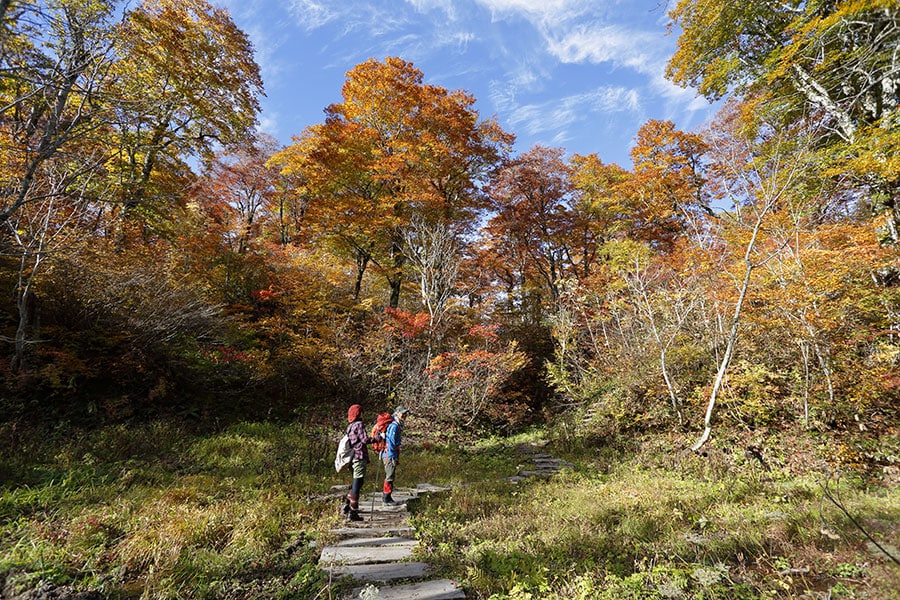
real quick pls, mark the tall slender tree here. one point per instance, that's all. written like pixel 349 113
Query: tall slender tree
pixel 757 173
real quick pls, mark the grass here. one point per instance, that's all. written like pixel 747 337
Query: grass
pixel 641 526
pixel 157 511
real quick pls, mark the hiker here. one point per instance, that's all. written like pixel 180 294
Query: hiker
pixel 391 454
pixel 356 431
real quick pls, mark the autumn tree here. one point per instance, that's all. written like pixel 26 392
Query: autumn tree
pixel 816 297
pixel 56 58
pixel 435 257
pixel 95 99
pixel 667 184
pixel 394 148
pixel 334 172
pixel 35 232
pixel 532 197
pixel 172 80
pixel 555 216
pixel 832 64
pixel 235 200
pixel 238 188
pixel 603 196
pixel 186 83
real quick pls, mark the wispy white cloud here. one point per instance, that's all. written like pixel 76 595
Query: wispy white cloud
pixel 448 41
pixel 447 7
pixel 312 14
pixel 525 75
pixel 613 44
pixel 407 45
pixel 679 103
pixel 460 38
pixel 585 33
pixel 560 115
pixel 543 13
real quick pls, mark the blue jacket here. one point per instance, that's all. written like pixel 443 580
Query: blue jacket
pixel 392 437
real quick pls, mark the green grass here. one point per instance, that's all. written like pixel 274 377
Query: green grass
pixel 159 512
pixel 643 525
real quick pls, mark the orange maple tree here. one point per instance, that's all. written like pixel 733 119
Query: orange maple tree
pixel 393 148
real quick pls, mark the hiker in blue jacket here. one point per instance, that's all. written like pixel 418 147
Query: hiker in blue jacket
pixel 356 431
pixel 391 454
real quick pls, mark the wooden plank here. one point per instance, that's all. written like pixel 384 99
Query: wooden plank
pixel 335 555
pixel 382 572
pixel 438 589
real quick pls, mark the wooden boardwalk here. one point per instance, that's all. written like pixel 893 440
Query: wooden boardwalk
pixel 377 553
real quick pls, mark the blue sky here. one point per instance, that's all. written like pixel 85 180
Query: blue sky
pixel 582 75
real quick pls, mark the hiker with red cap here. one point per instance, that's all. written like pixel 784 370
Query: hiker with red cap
pixel 356 432
pixel 391 453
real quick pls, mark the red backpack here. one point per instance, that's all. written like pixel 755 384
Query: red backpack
pixel 381 424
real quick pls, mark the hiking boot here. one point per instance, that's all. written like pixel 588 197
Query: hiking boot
pixel 386 500
pixel 345 507
pixel 354 516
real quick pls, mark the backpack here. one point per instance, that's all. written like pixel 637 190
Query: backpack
pixel 344 453
pixel 381 424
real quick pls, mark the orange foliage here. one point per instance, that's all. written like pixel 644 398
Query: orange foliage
pixel 395 147
pixel 406 324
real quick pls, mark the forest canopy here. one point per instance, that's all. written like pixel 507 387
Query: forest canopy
pixel 160 255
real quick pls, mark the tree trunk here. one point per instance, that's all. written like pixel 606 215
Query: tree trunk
pixel 804 352
pixel 395 277
pixel 25 304
pixel 726 359
pixel 362 261
pixel 395 282
pixel 672 396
